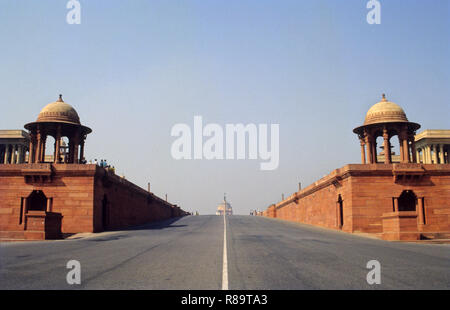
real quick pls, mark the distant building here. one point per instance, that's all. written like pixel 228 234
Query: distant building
pixel 224 207
pixel 433 146
pixel 13 146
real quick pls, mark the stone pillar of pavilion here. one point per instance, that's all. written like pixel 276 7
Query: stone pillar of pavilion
pixel 387 148
pixel 387 119
pixel 363 150
pixel 57 119
pixel 57 158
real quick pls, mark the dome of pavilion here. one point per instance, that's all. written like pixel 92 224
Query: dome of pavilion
pixel 59 111
pixel 385 112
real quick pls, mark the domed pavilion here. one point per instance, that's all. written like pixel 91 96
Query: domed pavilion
pixel 57 119
pixel 387 119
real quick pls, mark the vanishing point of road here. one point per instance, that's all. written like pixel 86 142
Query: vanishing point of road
pixel 189 253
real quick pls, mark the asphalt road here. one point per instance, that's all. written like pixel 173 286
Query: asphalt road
pixel 187 253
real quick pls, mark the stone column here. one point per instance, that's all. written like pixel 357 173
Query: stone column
pixel 441 153
pixel 37 156
pixel 430 158
pixel 75 151
pixel 404 147
pixel 428 154
pixel 374 151
pixel 81 150
pixel 44 140
pixel 369 150
pixel 447 158
pixel 406 151
pixel 25 149
pixel 363 151
pixel 20 155
pixel 5 159
pixel 435 157
pixel 19 152
pixel 418 156
pixel 387 149
pixel 57 154
pixel 31 148
pixel 395 204
pixel 14 154
pixel 70 150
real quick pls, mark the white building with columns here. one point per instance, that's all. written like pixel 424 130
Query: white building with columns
pixel 14 146
pixel 433 146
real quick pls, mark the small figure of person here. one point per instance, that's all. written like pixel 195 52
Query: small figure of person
pixel 95 161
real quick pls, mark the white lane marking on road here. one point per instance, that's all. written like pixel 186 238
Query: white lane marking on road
pixel 225 260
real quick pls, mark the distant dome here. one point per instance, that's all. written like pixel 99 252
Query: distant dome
pixel 59 111
pixel 224 207
pixel 385 112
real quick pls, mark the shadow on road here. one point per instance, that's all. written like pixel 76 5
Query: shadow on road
pixel 149 226
pixel 155 225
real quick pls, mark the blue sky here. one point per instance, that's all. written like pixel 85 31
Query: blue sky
pixel 133 69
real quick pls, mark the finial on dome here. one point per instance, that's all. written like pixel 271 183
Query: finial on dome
pixel 384 97
pixel 60 99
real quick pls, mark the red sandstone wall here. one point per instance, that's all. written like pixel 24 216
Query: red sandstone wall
pixel 367 192
pixel 319 207
pixel 77 192
pixel 127 204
